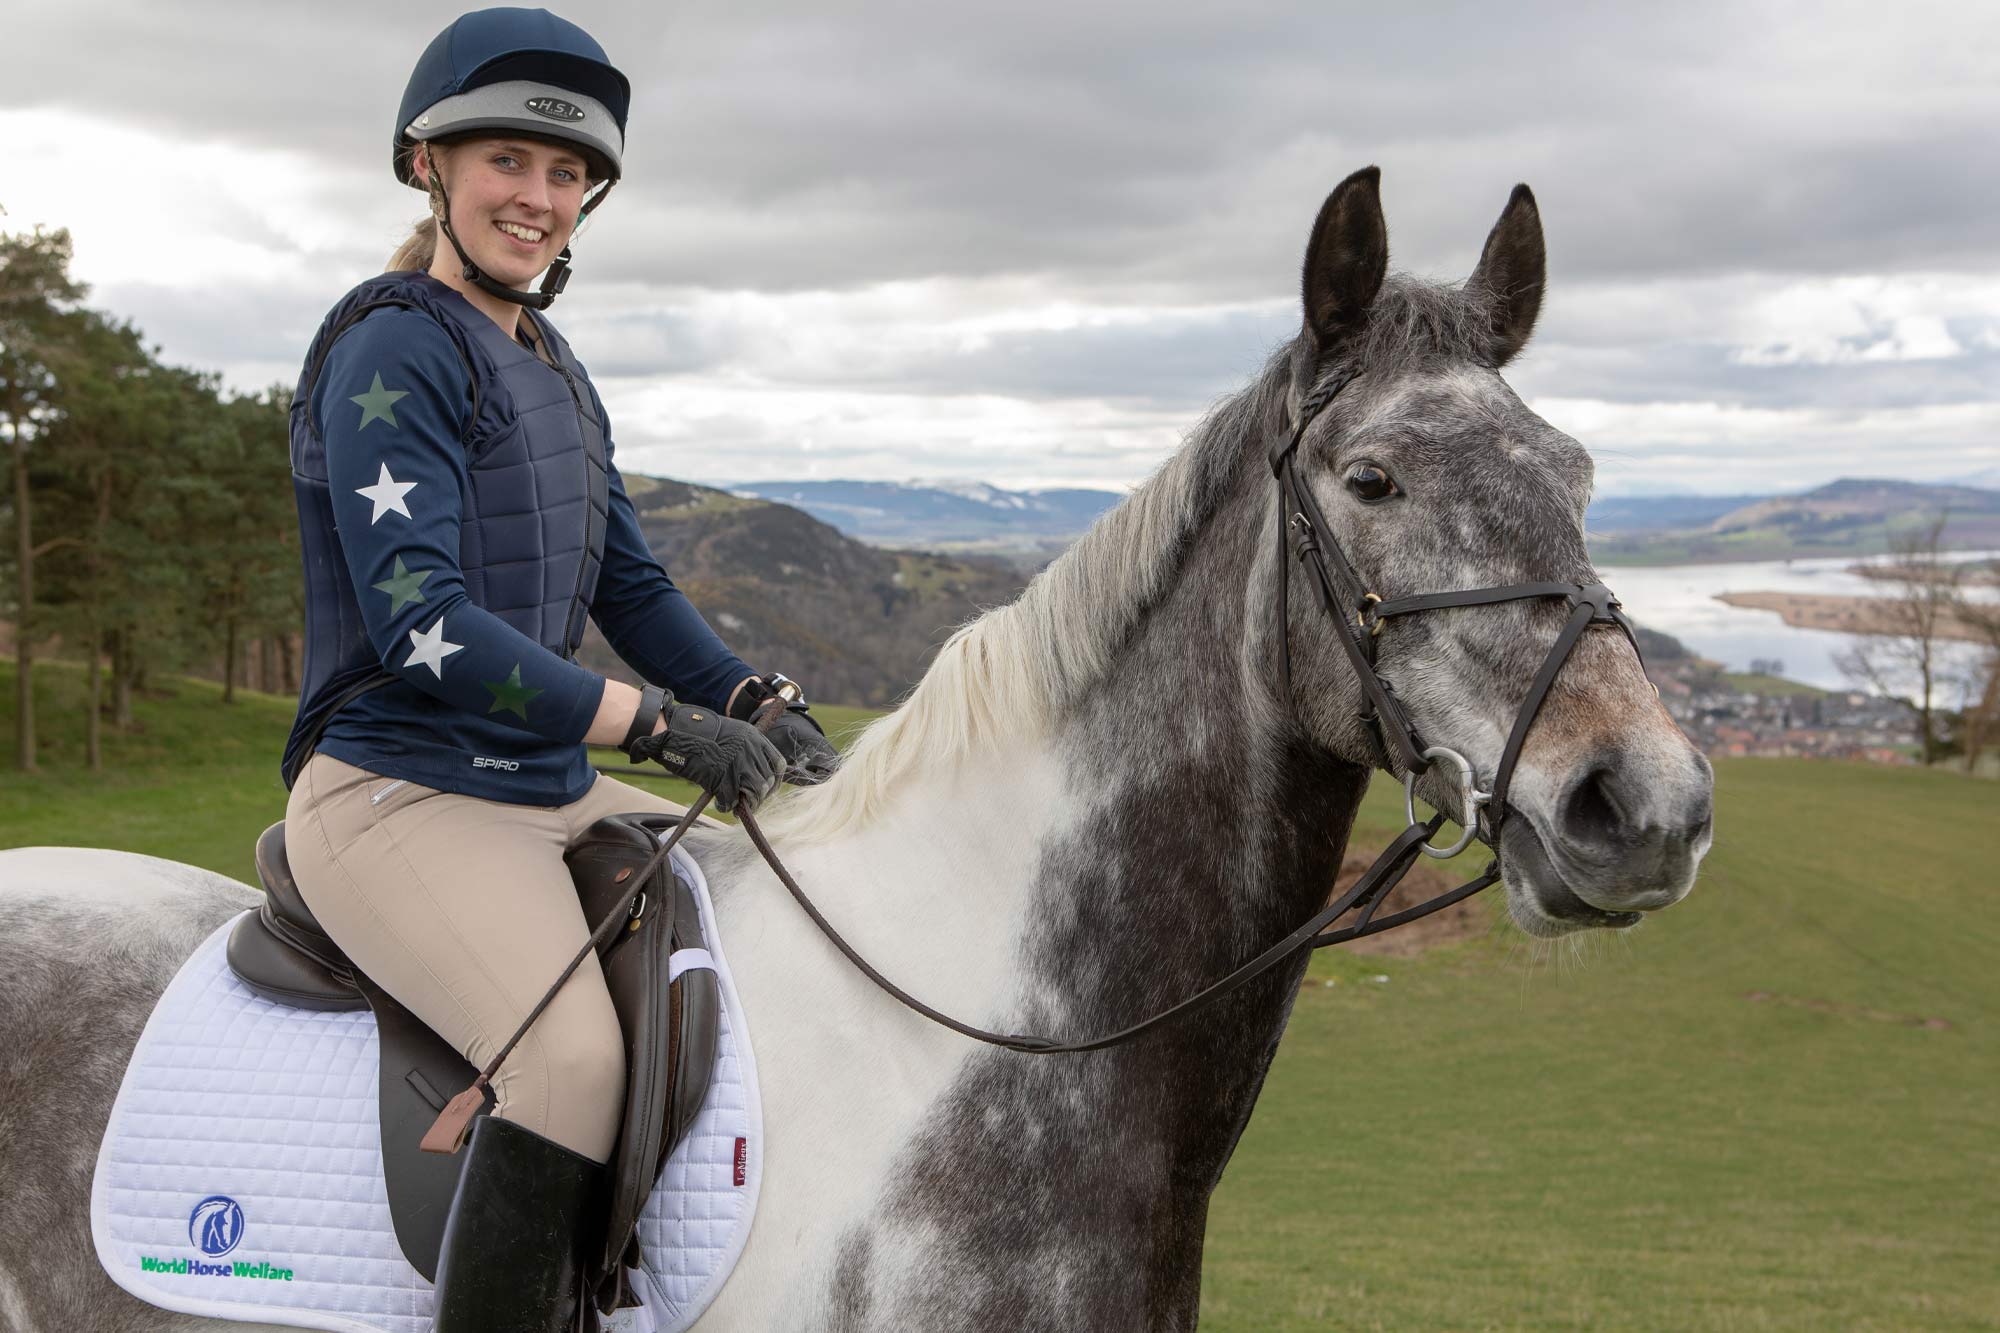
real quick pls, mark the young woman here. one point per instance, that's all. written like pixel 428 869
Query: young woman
pixel 461 519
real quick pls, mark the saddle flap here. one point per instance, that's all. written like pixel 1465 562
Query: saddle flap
pixel 670 1024
pixel 419 1073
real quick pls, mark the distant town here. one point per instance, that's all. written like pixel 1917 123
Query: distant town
pixel 1761 713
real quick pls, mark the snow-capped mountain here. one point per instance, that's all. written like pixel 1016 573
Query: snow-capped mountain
pixel 943 514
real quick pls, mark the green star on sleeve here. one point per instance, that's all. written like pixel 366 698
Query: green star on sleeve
pixel 404 586
pixel 510 694
pixel 378 404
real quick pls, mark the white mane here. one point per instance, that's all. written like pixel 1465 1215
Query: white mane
pixel 1013 671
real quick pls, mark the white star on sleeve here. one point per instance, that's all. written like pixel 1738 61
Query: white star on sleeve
pixel 430 648
pixel 387 495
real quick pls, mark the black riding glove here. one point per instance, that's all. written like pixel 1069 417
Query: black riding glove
pixel 809 756
pixel 733 759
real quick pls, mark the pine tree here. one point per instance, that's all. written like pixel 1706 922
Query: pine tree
pixel 37 321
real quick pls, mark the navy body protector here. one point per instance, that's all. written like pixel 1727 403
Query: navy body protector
pixel 534 432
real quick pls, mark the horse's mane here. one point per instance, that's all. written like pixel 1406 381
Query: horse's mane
pixel 1009 674
pixel 1013 671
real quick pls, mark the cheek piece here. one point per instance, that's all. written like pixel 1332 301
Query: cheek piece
pixel 553 281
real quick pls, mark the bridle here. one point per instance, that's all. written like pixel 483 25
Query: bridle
pixel 1358 615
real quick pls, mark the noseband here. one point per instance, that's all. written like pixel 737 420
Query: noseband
pixel 1358 615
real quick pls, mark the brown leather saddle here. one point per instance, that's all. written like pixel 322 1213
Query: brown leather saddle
pixel 671 1026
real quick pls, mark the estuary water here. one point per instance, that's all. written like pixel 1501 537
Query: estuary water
pixel 1680 600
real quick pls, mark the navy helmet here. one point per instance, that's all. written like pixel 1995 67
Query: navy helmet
pixel 520 70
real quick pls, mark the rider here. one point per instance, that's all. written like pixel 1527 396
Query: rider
pixel 460 518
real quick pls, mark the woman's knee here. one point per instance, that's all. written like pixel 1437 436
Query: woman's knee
pixel 570 1087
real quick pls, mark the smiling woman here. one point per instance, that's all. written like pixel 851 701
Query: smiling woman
pixel 462 522
pixel 486 179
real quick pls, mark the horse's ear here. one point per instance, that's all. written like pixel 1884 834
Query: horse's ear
pixel 1347 257
pixel 1512 270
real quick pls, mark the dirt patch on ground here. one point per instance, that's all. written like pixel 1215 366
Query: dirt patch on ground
pixel 1844 1010
pixel 1424 881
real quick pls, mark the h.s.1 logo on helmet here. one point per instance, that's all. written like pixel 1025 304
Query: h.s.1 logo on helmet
pixel 554 108
pixel 216 1225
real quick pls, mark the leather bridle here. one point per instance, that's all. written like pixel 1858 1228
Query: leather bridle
pixel 1304 534
pixel 1358 615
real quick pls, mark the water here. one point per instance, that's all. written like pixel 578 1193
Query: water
pixel 1680 600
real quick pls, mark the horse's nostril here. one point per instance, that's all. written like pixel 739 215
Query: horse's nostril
pixel 1591 813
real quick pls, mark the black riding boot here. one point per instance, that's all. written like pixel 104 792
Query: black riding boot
pixel 509 1260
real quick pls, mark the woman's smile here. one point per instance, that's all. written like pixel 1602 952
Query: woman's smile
pixel 525 238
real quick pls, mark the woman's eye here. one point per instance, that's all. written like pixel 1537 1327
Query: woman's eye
pixel 1371 484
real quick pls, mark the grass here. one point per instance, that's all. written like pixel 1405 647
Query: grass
pixel 196 780
pixel 1758 682
pixel 1733 1118
pixel 1776 1106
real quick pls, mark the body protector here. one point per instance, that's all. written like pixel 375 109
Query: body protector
pixel 466 680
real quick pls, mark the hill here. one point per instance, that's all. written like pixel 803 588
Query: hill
pixel 959 516
pixel 790 593
pixel 1855 516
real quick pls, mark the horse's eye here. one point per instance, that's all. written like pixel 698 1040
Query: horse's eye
pixel 1371 484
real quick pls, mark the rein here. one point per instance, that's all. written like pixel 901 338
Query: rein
pixel 1358 615
pixel 1305 535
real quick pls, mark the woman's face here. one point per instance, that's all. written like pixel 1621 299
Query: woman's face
pixel 514 203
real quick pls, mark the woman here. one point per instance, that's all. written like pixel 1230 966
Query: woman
pixel 460 518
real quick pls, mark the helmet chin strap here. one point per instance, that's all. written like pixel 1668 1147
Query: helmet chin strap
pixel 553 281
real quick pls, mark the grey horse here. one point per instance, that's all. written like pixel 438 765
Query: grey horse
pixel 1099 797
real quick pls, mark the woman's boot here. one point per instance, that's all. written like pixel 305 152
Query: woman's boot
pixel 509 1260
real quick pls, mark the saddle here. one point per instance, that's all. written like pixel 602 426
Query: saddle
pixel 669 1016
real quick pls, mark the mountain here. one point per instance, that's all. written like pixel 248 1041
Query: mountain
pixel 944 515
pixel 856 623
pixel 1855 516
pixel 1655 513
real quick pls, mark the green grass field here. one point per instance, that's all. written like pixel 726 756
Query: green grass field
pixel 1776 1106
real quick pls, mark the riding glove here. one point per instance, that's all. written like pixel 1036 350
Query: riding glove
pixel 809 757
pixel 733 759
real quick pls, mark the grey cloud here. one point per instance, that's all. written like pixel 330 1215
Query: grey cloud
pixel 1182 151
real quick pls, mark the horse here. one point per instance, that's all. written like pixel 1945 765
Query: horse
pixel 1097 798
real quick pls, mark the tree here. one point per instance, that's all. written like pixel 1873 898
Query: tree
pixel 245 567
pixel 36 321
pixel 121 416
pixel 1980 723
pixel 1916 617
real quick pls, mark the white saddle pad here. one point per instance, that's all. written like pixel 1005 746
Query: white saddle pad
pixel 241 1174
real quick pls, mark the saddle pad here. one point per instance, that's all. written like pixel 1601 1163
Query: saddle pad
pixel 240 1176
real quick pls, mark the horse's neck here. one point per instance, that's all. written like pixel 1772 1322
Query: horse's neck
pixel 1161 834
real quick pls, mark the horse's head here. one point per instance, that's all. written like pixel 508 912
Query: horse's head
pixel 1434 477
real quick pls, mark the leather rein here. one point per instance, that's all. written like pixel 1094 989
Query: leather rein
pixel 1358 614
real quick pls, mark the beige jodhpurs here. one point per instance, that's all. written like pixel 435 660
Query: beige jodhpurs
pixel 463 910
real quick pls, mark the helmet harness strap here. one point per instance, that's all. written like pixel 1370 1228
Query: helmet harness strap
pixel 553 281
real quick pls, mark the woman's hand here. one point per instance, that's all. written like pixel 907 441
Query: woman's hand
pixel 809 757
pixel 733 759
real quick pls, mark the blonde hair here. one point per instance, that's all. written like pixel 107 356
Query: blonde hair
pixel 415 254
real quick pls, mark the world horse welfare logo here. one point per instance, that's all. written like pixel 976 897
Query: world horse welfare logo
pixel 215 1227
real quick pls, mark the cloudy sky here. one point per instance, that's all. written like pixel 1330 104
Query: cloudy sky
pixel 1030 243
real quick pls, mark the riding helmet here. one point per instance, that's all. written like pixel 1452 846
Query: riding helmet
pixel 520 70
